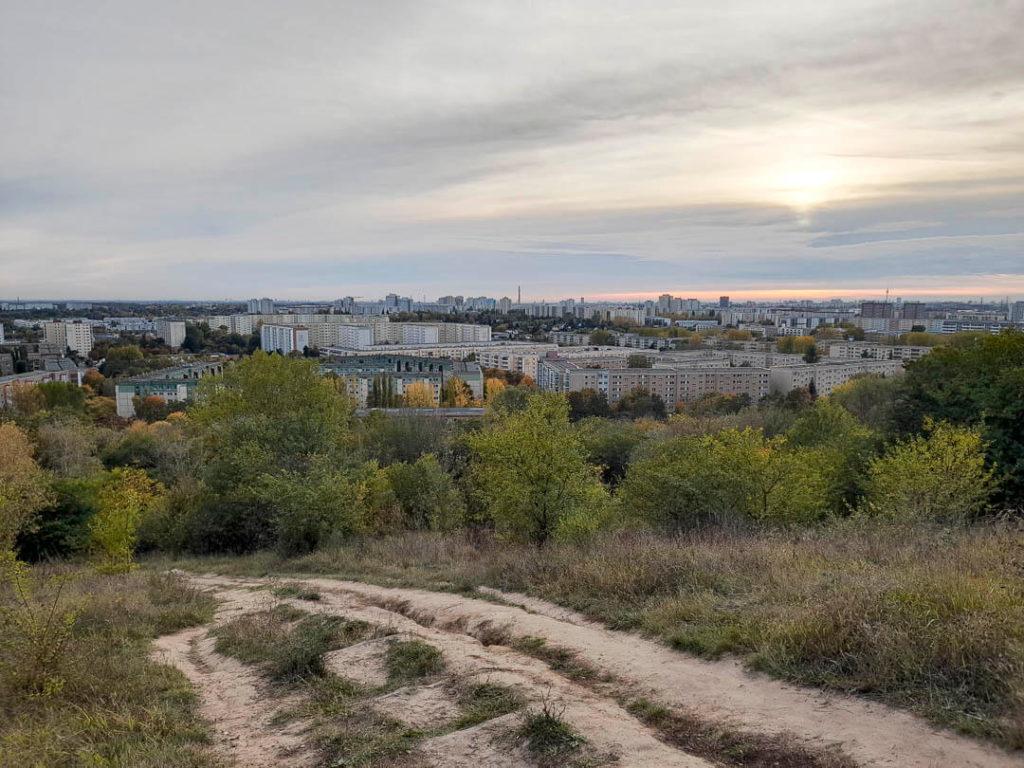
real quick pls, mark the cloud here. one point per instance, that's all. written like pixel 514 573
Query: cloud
pixel 320 149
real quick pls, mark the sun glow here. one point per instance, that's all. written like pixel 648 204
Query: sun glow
pixel 804 185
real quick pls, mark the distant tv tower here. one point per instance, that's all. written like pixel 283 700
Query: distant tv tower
pixel 519 294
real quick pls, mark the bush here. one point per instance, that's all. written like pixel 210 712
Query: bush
pixel 426 495
pixel 940 476
pixel 122 502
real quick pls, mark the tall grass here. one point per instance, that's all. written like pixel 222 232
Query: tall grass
pixel 924 618
pixel 112 706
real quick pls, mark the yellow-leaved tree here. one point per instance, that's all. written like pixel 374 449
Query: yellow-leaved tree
pixel 113 530
pixel 24 488
pixel 493 387
pixel 419 394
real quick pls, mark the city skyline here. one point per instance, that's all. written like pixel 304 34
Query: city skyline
pixel 318 150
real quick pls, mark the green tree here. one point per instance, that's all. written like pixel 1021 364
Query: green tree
pixel 974 381
pixel 641 403
pixel 639 361
pixel 426 494
pixel 602 338
pixel 266 414
pixel 609 445
pixel 121 503
pixel 530 469
pixel 59 395
pixel 588 402
pixel 937 476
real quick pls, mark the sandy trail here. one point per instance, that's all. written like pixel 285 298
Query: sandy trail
pixel 872 734
pixel 235 703
pixel 612 732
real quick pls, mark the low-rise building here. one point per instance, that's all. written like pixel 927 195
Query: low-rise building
pixel 10 384
pixel 858 350
pixel 826 376
pixel 672 382
pixel 359 372
pixel 175 385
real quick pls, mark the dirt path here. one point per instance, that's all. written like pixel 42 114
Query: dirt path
pixel 873 734
pixel 234 702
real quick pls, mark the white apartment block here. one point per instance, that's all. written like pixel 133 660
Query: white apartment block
pixel 171 331
pixel 240 324
pixel 826 376
pixel 672 383
pixel 284 338
pixel 859 350
pixel 76 336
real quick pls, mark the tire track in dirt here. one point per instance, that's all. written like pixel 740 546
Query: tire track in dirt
pixel 872 734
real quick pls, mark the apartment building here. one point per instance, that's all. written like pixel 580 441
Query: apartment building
pixel 10 384
pixel 828 375
pixel 358 372
pixel 174 385
pixel 171 331
pixel 262 306
pixel 241 324
pixel 858 350
pixel 673 383
pixel 76 336
pixel 284 338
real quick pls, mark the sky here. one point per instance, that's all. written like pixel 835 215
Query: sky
pixel 314 149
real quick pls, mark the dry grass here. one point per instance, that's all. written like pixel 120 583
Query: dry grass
pixel 108 704
pixel 923 618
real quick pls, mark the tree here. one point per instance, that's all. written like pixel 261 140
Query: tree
pixel 588 402
pixel 493 387
pixel 419 394
pixel 426 495
pixel 68 447
pixel 794 344
pixel 872 399
pixel 733 475
pixel 641 403
pixel 123 360
pixel 382 392
pixel 24 488
pixel 811 354
pixel 974 381
pixel 113 530
pixel 266 414
pixel 154 408
pixel 938 476
pixel 609 445
pixel 530 470
pixel 602 338
pixel 456 393
pixel 639 361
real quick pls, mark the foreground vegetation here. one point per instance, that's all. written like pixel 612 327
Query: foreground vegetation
pixel 925 618
pixel 97 699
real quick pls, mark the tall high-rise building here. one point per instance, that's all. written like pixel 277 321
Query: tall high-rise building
pixel 723 302
pixel 875 309
pixel 283 338
pixel 1016 314
pixel 262 306
pixel 171 331
pixel 76 336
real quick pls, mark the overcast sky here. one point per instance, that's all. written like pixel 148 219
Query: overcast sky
pixel 317 149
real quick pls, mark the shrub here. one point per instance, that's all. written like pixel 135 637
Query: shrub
pixel 23 485
pixel 940 476
pixel 426 495
pixel 113 530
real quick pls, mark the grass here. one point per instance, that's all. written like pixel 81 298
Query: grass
pixel 924 618
pixel 485 701
pixel 107 704
pixel 297 591
pixel 411 660
pixel 549 739
pixel 729 746
pixel 289 643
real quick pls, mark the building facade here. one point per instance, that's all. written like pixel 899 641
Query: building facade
pixel 174 385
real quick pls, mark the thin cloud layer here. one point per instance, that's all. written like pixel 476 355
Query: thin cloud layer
pixel 319 149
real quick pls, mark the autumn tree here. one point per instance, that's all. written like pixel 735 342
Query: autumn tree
pixel 419 394
pixel 456 393
pixel 492 387
pixel 24 488
pixel 530 470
